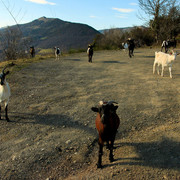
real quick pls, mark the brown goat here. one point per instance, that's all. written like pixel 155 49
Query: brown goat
pixel 107 123
pixel 32 51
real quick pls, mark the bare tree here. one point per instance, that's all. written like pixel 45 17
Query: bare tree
pixel 12 42
pixel 155 9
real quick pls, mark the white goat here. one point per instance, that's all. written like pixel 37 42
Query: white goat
pixel 164 60
pixel 4 92
pixel 125 46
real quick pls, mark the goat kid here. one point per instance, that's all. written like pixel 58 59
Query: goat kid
pixel 164 60
pixel 4 92
pixel 107 123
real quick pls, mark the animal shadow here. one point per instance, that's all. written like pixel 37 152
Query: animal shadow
pixel 118 62
pixel 73 59
pixel 162 154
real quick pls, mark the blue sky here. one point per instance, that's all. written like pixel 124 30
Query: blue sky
pixel 100 14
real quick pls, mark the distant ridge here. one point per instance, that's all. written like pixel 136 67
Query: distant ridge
pixel 125 29
pixel 49 32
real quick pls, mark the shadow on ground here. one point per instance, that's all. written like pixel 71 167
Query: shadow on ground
pixel 113 62
pixel 55 120
pixel 162 154
pixel 72 59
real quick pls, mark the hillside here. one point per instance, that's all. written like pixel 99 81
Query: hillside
pixel 49 32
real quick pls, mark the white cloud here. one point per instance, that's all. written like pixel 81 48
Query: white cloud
pixel 133 4
pixel 41 2
pixel 92 16
pixel 123 10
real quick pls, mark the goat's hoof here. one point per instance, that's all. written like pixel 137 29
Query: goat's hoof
pixel 99 166
pixel 111 159
pixel 107 146
pixel 8 120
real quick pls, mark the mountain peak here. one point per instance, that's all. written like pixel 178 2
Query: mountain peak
pixel 45 19
pixel 42 18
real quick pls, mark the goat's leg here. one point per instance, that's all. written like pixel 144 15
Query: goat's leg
pixel 166 49
pixel 107 145
pixel 162 71
pixel 161 48
pixel 133 52
pixel 158 69
pixel 129 53
pixel 0 112
pixel 91 59
pixel 6 113
pixel 111 158
pixel 99 164
pixel 170 72
pixel 154 67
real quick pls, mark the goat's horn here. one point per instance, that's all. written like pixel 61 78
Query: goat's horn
pixel 101 103
pixel 111 102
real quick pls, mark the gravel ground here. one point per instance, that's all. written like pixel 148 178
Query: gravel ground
pixel 52 131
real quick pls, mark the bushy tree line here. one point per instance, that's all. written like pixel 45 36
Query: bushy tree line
pixel 113 38
pixel 169 24
pixel 164 24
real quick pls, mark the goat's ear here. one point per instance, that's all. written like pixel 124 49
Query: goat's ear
pixel 95 109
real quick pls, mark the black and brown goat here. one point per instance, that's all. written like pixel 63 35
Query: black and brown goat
pixel 107 123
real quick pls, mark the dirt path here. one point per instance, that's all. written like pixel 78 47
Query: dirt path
pixel 52 133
